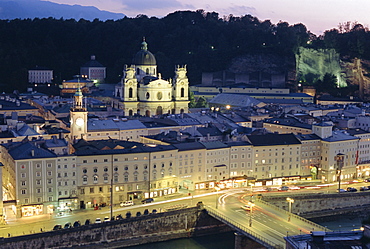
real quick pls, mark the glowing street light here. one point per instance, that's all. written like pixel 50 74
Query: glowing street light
pixel 340 161
pixel 251 204
pixel 217 189
pixel 290 201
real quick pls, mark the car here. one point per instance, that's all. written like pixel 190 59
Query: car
pixel 340 190
pixel 57 227
pixel 97 220
pixel 126 203
pixel 148 200
pixel 350 189
pixel 364 188
pixel 284 188
pixel 367 180
pixel 246 207
pixel 77 223
pixel 106 219
pixel 68 225
pixel 87 222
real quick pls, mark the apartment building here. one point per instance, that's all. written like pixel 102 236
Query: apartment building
pixel 276 157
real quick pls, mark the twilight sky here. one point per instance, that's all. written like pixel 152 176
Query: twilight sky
pixel 316 15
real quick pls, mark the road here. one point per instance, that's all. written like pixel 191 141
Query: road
pixel 264 218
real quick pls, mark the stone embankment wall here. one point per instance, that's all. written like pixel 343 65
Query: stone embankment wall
pixel 190 222
pixel 319 205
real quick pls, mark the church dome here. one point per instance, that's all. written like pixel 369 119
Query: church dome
pixel 144 57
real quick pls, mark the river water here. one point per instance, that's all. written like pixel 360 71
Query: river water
pixel 218 241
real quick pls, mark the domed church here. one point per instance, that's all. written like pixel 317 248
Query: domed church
pixel 142 90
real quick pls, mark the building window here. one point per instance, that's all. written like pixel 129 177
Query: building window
pixel 49 173
pixel 91 190
pixel 38 173
pixel 50 190
pixel 84 171
pixel 95 179
pixel 84 179
pixel 50 181
pixel 38 190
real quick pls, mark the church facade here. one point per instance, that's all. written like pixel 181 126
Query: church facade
pixel 142 91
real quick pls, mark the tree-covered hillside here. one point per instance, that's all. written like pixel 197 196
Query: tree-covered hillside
pixel 204 41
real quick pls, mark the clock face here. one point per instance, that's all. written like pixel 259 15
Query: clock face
pixel 79 122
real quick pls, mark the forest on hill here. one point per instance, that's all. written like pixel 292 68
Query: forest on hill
pixel 204 41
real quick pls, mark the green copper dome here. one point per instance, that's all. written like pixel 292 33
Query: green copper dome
pixel 144 57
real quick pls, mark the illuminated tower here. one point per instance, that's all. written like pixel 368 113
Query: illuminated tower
pixel 78 114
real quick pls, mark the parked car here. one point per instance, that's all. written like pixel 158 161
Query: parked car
pixel 97 220
pixel 106 219
pixel 77 223
pixel 364 188
pixel 148 200
pixel 68 225
pixel 367 180
pixel 340 190
pixel 87 222
pixel 126 203
pixel 350 189
pixel 284 188
pixel 57 227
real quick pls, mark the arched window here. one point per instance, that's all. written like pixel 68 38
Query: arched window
pixel 95 179
pixel 130 112
pixel 147 71
pixel 130 92
pixel 182 92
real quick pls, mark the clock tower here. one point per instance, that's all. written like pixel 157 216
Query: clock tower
pixel 78 115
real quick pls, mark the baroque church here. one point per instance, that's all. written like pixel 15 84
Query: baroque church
pixel 142 91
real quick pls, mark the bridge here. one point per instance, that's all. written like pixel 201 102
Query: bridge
pixel 264 223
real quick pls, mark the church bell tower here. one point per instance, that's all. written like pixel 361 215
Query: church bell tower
pixel 78 114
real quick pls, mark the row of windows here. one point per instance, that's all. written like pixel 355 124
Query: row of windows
pixel 38 174
pixel 38 191
pixel 39 199
pixel 38 182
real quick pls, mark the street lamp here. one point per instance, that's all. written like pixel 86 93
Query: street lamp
pixel 251 204
pixel 217 189
pixel 290 201
pixel 340 161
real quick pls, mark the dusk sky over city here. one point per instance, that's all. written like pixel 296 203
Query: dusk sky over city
pixel 317 15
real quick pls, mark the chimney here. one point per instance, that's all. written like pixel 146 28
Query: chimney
pixel 92 57
pixel 32 153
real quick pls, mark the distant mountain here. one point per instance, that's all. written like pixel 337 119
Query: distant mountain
pixel 22 9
